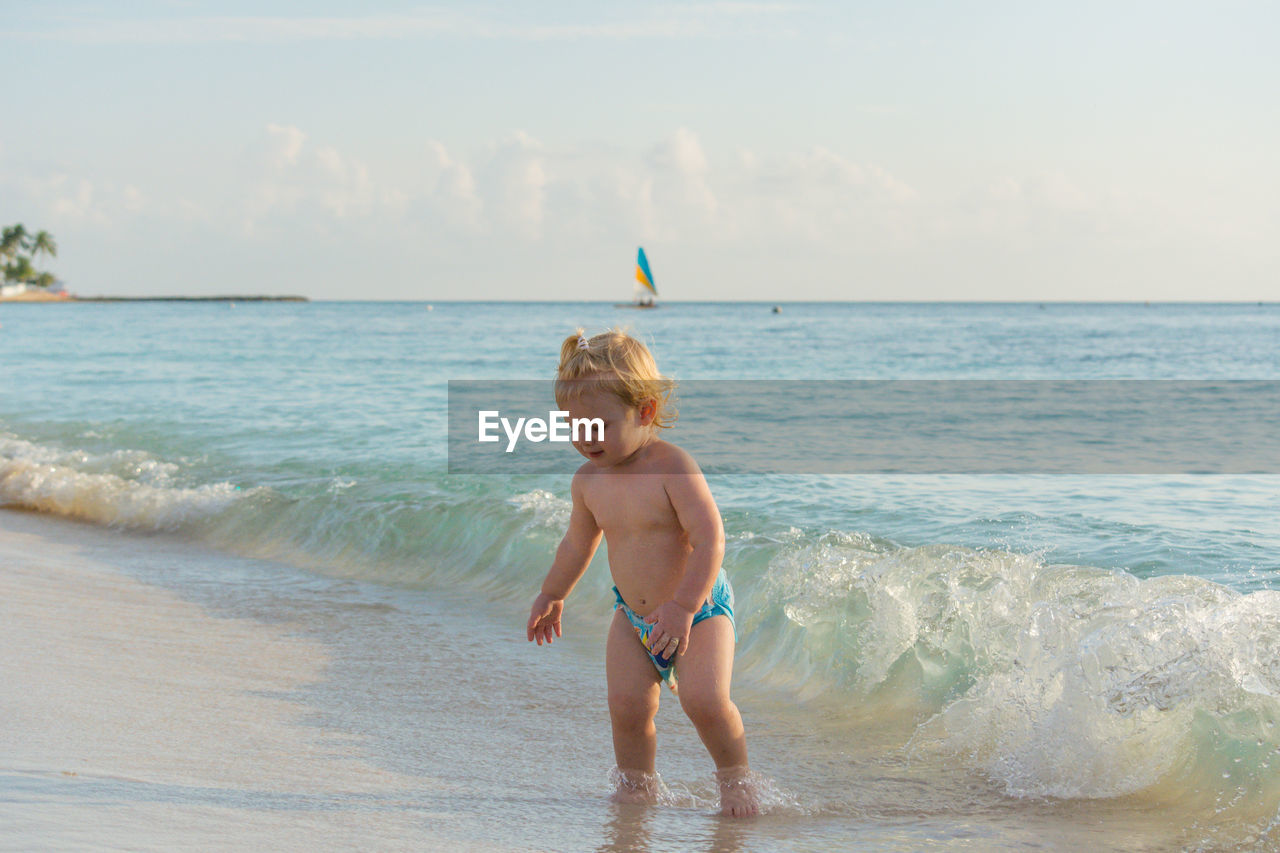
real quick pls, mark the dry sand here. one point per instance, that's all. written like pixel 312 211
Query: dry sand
pixel 38 296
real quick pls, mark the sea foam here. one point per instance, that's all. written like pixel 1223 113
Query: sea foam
pixel 1052 680
pixel 125 488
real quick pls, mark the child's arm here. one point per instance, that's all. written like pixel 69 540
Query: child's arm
pixel 696 510
pixel 572 558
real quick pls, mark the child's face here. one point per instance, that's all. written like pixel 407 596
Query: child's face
pixel 626 428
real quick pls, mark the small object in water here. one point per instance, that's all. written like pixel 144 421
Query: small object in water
pixel 431 307
pixel 777 309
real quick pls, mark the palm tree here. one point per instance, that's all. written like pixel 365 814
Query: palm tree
pixel 18 248
pixel 43 243
pixel 19 270
pixel 13 239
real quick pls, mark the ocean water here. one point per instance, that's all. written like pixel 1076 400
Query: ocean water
pixel 924 661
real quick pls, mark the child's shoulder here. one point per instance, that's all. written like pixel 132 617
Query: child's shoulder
pixel 667 458
pixel 584 473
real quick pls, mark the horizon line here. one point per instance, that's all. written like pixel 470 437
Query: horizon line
pixel 428 301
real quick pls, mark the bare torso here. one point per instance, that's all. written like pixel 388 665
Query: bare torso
pixel 648 548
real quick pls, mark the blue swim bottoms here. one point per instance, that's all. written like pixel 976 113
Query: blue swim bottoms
pixel 719 603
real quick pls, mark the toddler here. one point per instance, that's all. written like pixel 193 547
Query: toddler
pixel 665 540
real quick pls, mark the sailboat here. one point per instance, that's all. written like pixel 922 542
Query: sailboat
pixel 646 292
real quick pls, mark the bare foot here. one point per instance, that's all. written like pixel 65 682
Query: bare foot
pixel 738 794
pixel 635 786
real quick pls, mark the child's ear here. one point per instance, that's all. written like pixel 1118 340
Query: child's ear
pixel 648 410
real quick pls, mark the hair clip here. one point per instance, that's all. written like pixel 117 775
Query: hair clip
pixel 582 342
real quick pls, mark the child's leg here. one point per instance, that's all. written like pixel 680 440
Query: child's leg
pixel 633 703
pixel 705 671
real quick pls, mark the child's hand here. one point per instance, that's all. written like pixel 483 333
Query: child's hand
pixel 544 618
pixel 671 625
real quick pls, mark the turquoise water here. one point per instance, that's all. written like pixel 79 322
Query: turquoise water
pixel 329 411
pixel 1130 621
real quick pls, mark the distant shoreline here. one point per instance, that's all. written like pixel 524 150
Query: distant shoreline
pixel 189 299
pixel 51 298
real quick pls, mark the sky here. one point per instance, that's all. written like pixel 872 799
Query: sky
pixel 761 151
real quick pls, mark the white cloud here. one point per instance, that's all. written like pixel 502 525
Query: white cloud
pixel 61 197
pixel 283 144
pixel 73 198
pixel 133 199
pixel 300 182
pixel 515 188
pixel 295 200
pixel 513 180
pixel 707 20
pixel 681 195
pixel 453 190
pixel 681 152
pixel 266 29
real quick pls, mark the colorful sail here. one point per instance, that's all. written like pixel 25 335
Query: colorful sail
pixel 643 274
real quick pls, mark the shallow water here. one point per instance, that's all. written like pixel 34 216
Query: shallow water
pixel 444 727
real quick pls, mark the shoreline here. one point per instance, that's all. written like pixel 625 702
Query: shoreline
pixel 188 299
pixel 161 696
pixel 47 298
pixel 139 719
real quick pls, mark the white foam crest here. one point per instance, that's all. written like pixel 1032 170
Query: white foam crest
pixel 74 484
pixel 1054 680
pixel 18 448
pixel 548 511
pixel 339 485
pixel 129 464
pixel 864 606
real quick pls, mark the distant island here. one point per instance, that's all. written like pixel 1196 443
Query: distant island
pixel 19 248
pixel 34 295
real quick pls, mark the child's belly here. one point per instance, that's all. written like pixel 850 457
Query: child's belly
pixel 647 573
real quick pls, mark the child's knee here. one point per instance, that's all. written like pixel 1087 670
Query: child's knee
pixel 707 709
pixel 630 710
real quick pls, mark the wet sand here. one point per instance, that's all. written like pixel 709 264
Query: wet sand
pixel 135 719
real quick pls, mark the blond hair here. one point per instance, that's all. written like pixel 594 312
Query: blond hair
pixel 616 363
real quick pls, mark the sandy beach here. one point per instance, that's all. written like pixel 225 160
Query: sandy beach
pixel 160 696
pixel 39 296
pixel 136 720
